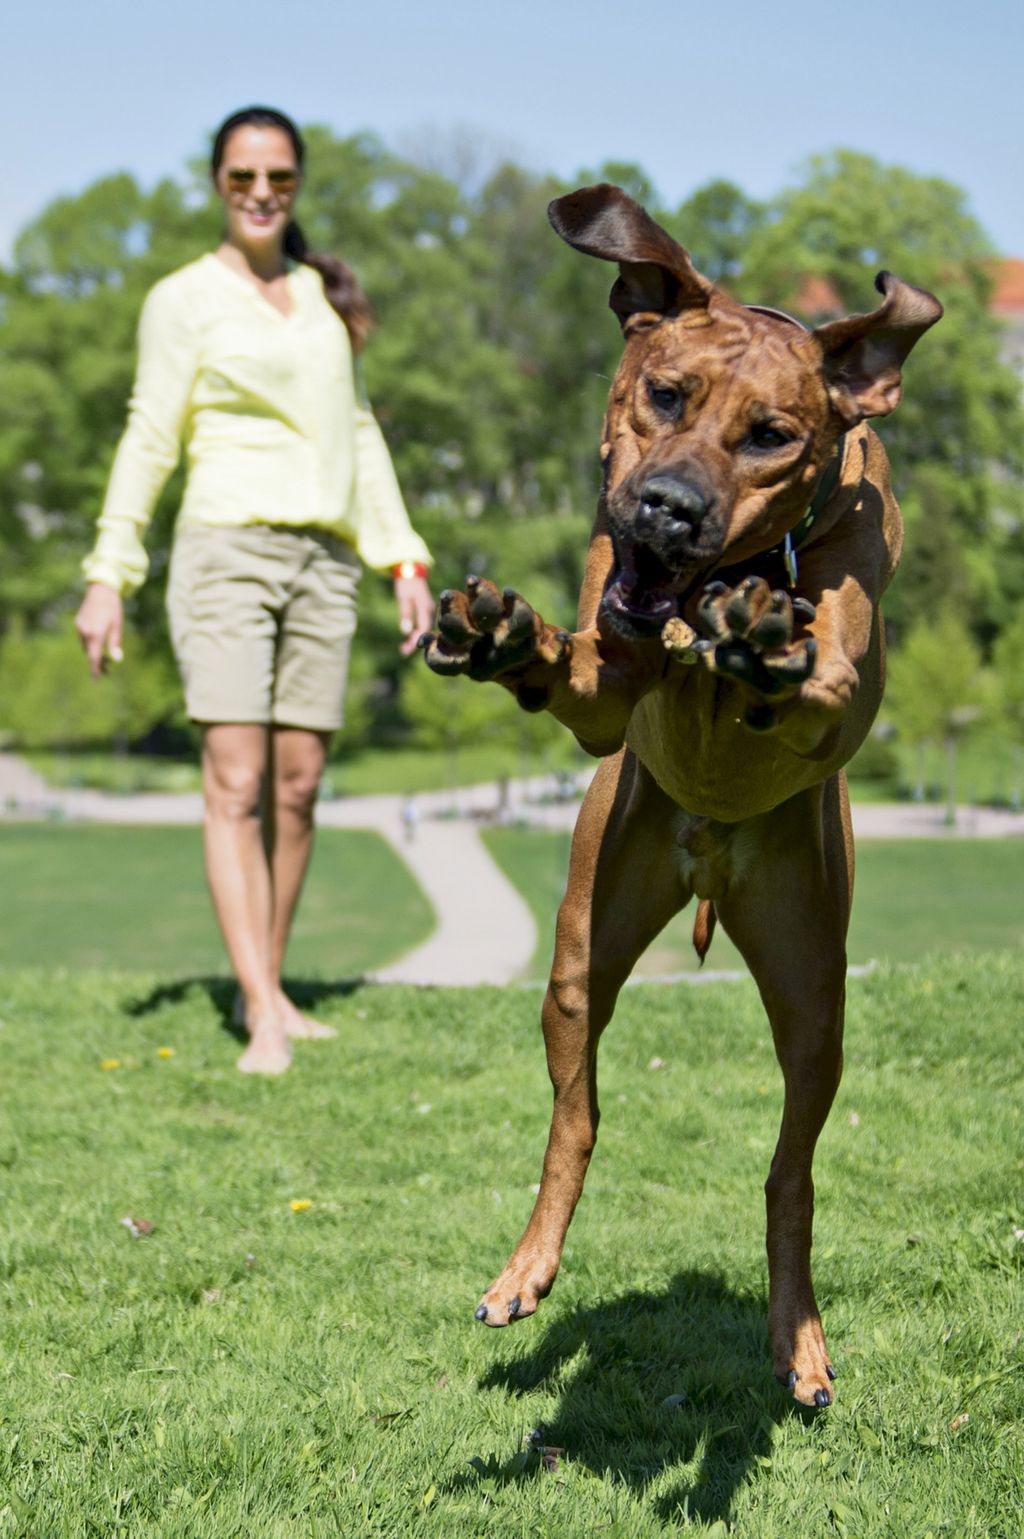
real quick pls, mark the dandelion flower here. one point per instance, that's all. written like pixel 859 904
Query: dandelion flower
pixel 165 1052
pixel 300 1204
pixel 110 1063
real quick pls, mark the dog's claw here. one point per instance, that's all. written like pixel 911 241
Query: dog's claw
pixel 791 1379
pixel 822 1397
pixel 709 618
pixel 830 1370
pixel 485 606
pixel 774 628
pixel 480 1312
pixel 514 1307
pixel 520 616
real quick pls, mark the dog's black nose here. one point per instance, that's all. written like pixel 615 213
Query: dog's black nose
pixel 667 498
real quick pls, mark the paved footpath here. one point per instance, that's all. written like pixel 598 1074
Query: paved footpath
pixel 485 932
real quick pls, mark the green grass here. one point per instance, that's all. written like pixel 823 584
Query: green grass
pixel 109 896
pixel 247 1370
pixel 913 896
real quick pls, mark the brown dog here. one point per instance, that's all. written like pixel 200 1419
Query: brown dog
pixel 728 660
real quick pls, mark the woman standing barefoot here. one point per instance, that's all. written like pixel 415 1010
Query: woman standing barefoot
pixel 246 360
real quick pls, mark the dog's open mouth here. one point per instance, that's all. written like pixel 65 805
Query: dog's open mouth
pixel 640 597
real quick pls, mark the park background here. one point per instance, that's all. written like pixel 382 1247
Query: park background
pixel 434 150
pixel 232 1372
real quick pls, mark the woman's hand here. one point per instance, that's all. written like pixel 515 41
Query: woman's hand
pixel 415 610
pixel 100 625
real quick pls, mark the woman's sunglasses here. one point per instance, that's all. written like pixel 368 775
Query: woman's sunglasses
pixel 282 180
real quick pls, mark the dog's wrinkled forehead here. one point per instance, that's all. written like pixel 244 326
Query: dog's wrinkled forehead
pixel 725 342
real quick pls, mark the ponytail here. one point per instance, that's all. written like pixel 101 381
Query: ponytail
pixel 341 286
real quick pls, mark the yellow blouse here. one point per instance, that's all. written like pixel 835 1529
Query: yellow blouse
pixel 267 409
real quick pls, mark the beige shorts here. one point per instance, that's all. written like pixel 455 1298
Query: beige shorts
pixel 262 619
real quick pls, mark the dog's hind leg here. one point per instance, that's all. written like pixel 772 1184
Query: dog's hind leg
pixel 623 888
pixel 788 912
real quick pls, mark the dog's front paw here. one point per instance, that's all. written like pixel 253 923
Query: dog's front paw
pixel 484 633
pixel 751 629
pixel 514 1295
pixel 802 1363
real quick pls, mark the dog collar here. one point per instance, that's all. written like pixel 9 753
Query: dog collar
pixel 827 483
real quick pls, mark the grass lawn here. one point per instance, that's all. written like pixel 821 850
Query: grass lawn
pixel 250 1370
pixel 913 896
pixel 106 896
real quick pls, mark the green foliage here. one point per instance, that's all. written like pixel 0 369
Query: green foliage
pixel 1008 670
pixel 47 698
pixel 935 689
pixel 717 224
pixel 490 369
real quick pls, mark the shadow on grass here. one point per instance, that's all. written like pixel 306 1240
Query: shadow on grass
pixel 222 991
pixel 650 1381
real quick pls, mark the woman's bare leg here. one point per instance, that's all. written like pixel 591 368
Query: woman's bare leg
pixel 297 765
pixel 235 759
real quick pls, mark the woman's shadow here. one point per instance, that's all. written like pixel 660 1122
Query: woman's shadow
pixel 649 1381
pixel 222 993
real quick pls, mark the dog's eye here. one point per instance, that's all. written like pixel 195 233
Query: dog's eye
pixel 665 398
pixel 764 436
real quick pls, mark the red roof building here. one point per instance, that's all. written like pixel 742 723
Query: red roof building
pixel 1008 305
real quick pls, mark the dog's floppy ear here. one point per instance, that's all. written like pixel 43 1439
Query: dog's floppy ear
pixel 864 354
pixel 656 276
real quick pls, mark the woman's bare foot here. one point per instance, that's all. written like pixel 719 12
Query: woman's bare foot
pixel 301 1028
pixel 269 1050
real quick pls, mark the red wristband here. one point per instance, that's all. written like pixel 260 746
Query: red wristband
pixel 409 569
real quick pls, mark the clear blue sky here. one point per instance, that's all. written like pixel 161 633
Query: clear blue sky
pixel 690 91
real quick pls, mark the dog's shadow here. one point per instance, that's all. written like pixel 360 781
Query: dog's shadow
pixel 222 992
pixel 647 1382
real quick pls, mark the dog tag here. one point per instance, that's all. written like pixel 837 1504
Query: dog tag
pixel 789 558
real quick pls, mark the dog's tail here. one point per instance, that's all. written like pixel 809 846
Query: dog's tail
pixel 704 927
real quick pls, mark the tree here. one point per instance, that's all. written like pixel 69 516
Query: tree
pixel 717 224
pixel 48 700
pixel 935 690
pixel 1008 675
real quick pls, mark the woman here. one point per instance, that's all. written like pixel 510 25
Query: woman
pixel 245 357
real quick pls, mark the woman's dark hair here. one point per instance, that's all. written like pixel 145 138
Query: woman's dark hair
pixel 341 286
